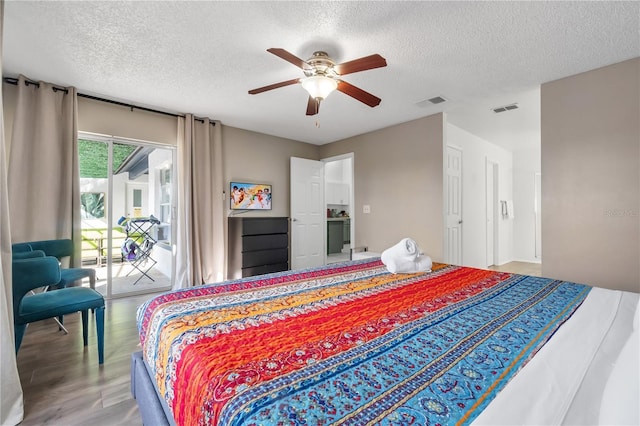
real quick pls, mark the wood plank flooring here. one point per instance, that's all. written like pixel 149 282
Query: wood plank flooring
pixel 63 384
pixel 61 380
pixel 524 268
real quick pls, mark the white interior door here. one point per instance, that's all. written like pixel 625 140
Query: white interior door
pixel 308 241
pixel 453 213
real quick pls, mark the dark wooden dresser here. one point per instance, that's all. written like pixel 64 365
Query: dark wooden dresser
pixel 257 245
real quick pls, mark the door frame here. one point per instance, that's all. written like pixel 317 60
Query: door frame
pixel 494 166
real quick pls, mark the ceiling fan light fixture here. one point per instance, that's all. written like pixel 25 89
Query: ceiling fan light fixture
pixel 323 76
pixel 319 86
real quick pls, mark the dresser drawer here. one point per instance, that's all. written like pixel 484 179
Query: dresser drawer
pixel 265 257
pixel 264 242
pixel 260 226
pixel 264 269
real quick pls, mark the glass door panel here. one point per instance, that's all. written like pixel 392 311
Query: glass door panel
pixel 134 237
pixel 144 261
pixel 94 187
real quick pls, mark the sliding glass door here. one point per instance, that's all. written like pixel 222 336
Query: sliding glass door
pixel 127 193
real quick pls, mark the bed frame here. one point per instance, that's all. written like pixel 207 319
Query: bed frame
pixel 153 409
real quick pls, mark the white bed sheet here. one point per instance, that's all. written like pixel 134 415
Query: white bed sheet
pixel 565 382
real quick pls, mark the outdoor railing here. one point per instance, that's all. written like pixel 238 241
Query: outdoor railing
pixel 95 245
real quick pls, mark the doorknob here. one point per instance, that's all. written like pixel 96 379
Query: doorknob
pixel 294 220
pixel 459 222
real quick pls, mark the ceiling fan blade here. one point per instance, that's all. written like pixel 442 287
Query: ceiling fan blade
pixel 289 57
pixel 313 106
pixel 362 64
pixel 274 86
pixel 359 94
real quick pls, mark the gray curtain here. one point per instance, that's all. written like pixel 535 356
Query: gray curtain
pixel 11 405
pixel 44 184
pixel 200 256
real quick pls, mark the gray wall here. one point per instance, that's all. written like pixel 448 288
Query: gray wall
pixel 398 172
pixel 591 177
pixel 115 120
pixel 259 158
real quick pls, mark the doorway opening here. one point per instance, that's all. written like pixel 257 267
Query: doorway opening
pixel 321 211
pixel 127 213
pixel 339 204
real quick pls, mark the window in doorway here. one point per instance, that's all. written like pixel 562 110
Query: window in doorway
pixel 137 202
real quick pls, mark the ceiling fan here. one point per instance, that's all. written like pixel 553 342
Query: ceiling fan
pixel 322 77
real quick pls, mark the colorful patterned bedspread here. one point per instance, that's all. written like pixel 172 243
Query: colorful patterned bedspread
pixel 348 344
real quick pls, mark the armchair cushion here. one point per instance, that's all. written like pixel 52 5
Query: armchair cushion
pixel 69 276
pixel 58 302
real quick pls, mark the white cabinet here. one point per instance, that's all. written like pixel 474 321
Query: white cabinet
pixel 337 193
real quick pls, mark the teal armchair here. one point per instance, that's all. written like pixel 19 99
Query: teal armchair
pixel 30 273
pixel 60 249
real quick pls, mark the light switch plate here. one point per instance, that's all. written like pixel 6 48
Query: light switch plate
pixel 366 208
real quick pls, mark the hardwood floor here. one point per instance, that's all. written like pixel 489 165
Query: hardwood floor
pixel 61 380
pixel 524 268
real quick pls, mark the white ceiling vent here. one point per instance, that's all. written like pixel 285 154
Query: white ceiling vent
pixel 432 101
pixel 505 108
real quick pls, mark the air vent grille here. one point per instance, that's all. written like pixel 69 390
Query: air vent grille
pixel 431 101
pixel 505 108
pixel 437 100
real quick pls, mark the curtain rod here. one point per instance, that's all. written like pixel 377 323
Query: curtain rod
pixel 124 104
pixel 14 81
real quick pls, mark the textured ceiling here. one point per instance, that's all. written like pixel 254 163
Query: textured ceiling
pixel 203 57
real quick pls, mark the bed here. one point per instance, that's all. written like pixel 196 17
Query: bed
pixel 353 344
